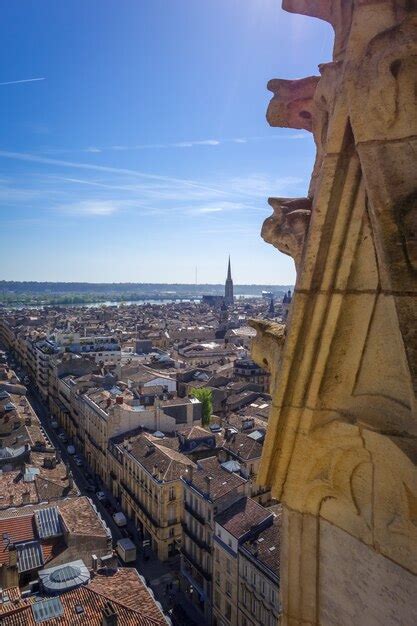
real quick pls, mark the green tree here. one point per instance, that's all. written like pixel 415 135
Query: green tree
pixel 205 396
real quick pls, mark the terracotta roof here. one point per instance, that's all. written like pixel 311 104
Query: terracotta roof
pixel 16 491
pixel 221 481
pixel 171 464
pixel 91 605
pixel 7 597
pixel 196 432
pixel 242 517
pixel 266 548
pixel 126 587
pixel 80 518
pixel 243 447
pixel 19 529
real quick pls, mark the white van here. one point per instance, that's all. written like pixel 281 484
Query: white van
pixel 126 549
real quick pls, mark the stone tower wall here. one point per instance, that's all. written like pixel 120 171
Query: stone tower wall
pixel 341 447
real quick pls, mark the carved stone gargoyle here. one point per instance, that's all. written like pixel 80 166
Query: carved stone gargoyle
pixel 287 228
pixel 292 104
pixel 267 346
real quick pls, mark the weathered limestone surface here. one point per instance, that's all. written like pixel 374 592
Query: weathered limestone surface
pixel 341 448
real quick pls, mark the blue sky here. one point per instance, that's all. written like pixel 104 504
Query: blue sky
pixel 144 151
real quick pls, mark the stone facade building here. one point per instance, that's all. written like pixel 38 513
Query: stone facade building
pixel 258 597
pixel 145 476
pixel 208 490
pixel 241 521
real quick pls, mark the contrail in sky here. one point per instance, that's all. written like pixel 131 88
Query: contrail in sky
pixel 21 156
pixel 25 80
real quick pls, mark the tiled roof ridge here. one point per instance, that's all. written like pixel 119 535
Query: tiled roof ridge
pixel 152 620
pixel 17 608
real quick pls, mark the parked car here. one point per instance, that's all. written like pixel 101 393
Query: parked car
pixel 119 519
pixel 71 450
pixel 78 461
pixel 63 437
pixel 101 496
pixel 54 425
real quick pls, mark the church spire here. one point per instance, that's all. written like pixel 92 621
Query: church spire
pixel 228 288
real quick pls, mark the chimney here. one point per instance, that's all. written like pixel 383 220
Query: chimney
pixel 94 562
pixel 190 473
pixel 109 615
pixel 12 555
pixel 119 399
pixel 208 480
pixel 108 402
pixel 26 497
pixel 154 470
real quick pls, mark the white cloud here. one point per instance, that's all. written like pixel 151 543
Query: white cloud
pixel 91 208
pixel 206 142
pixel 208 209
pixel 219 207
pixel 262 186
pixel 181 144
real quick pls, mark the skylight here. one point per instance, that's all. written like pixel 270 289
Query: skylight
pixel 47 609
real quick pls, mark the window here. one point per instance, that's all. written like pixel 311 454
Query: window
pixel 245 597
pixel 217 555
pixel 217 599
pixel 228 611
pixel 228 567
pixel 218 578
pixel 228 588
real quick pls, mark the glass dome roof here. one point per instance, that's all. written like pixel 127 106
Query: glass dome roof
pixel 64 577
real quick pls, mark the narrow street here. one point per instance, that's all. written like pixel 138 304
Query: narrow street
pixel 162 578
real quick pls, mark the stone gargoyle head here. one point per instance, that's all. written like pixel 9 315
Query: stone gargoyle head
pixel 287 228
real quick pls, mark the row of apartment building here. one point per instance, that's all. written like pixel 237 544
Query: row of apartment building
pixel 184 487
pixel 230 545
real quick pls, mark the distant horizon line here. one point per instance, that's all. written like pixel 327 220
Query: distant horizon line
pixel 80 282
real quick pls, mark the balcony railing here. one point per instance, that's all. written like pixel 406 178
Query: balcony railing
pixel 200 542
pixel 196 564
pixel 194 513
pixel 139 504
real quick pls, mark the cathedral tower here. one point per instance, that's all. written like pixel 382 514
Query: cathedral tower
pixel 228 288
